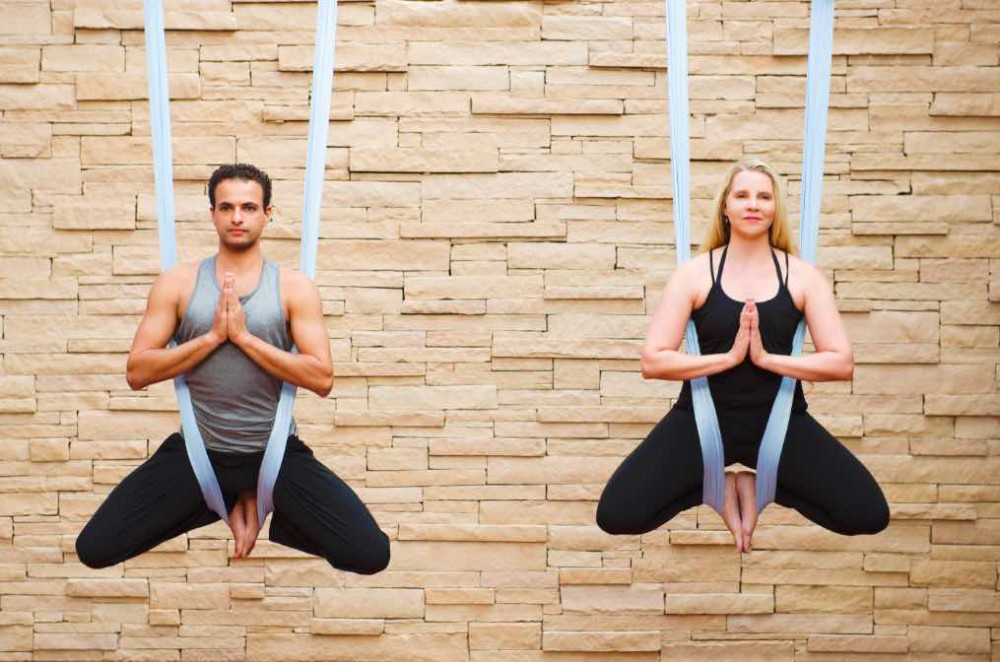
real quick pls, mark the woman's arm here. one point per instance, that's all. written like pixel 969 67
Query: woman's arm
pixel 833 359
pixel 661 358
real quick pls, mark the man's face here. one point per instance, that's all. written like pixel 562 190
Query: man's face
pixel 239 214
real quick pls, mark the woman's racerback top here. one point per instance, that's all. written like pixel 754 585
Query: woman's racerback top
pixel 717 322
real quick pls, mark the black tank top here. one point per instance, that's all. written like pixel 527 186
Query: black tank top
pixel 718 320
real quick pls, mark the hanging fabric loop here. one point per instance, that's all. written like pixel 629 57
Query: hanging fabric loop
pixel 319 120
pixel 159 115
pixel 817 101
pixel 706 419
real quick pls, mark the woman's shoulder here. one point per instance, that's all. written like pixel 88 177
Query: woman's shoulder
pixel 800 269
pixel 695 269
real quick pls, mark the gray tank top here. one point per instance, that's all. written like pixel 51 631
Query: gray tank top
pixel 235 399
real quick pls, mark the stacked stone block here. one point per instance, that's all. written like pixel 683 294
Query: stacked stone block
pixel 496 231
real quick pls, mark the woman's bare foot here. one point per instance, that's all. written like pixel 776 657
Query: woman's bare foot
pixel 746 491
pixel 238 525
pixel 731 511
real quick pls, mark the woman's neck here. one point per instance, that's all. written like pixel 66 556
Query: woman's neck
pixel 749 251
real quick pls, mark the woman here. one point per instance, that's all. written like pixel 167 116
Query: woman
pixel 746 295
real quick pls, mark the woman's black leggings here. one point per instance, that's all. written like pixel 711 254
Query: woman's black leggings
pixel 817 476
pixel 314 511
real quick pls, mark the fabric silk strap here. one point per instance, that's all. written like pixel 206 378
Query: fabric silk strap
pixel 817 101
pixel 159 116
pixel 319 119
pixel 814 153
pixel 706 419
pixel 319 125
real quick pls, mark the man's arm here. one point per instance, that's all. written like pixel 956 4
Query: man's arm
pixel 311 367
pixel 149 359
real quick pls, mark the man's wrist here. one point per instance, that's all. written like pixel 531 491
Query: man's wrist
pixel 242 338
pixel 213 339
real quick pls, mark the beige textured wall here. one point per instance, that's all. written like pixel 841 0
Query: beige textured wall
pixel 496 232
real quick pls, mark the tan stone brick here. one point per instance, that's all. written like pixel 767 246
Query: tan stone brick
pixel 83 57
pixel 637 597
pixel 432 397
pixel 19 65
pixel 505 636
pixel 416 647
pixel 25 18
pixel 108 588
pixel 368 627
pixel 468 555
pixel 601 641
pixel 28 503
pixel 960 104
pixel 870 644
pixel 920 208
pixel 819 599
pixel 962 600
pixel 15 638
pixel 953 379
pixel 175 595
pixel 499 103
pixel 739 603
pixel 472 533
pixel 857 41
pixel 76 641
pixel 457 78
pixel 504 53
pixel 126 86
pixel 927 572
pixel 756 651
pixel 967 640
pixel 560 256
pixel 49 450
pixel 421 160
pixel 369 603
pixel 106 150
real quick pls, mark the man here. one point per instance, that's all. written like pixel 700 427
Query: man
pixel 235 317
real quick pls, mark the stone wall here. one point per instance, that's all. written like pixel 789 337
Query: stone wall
pixel 496 233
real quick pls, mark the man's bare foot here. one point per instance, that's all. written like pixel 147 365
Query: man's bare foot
pixel 746 491
pixel 249 501
pixel 731 511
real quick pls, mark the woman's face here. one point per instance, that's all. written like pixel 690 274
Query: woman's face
pixel 750 205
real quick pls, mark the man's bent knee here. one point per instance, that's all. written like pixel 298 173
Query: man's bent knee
pixel 370 557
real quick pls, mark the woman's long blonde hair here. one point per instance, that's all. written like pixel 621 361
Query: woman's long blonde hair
pixel 779 234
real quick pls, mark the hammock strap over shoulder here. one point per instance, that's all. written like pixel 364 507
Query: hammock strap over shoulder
pixel 159 100
pixel 159 117
pixel 817 99
pixel 319 124
pixel 814 152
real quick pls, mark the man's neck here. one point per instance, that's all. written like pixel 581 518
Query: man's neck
pixel 240 263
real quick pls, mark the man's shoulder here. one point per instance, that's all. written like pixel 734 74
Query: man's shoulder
pixel 177 277
pixel 295 283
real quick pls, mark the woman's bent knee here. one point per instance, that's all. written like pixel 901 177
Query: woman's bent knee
pixel 865 520
pixel 92 553
pixel 616 521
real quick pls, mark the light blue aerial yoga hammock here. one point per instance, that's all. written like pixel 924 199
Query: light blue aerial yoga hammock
pixel 319 121
pixel 817 100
